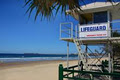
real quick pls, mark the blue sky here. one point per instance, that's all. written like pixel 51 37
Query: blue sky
pixel 20 34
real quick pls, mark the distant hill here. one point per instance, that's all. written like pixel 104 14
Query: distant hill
pixel 14 55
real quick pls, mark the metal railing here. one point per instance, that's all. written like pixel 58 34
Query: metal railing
pixel 68 30
pixel 70 74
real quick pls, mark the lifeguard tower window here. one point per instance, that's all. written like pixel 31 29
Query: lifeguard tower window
pixel 86 18
pixel 100 17
pixel 91 18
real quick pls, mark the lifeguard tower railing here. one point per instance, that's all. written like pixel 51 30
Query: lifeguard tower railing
pixel 70 33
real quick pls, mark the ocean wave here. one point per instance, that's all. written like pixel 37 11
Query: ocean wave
pixel 6 60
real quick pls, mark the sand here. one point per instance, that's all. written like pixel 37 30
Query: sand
pixel 37 70
pixel 40 70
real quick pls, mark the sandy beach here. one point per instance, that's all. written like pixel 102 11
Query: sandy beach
pixel 38 70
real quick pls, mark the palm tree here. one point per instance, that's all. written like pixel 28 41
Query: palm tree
pixel 45 8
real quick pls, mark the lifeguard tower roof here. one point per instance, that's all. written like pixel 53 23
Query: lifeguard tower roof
pixel 113 7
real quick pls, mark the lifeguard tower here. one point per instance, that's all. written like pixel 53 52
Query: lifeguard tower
pixel 95 27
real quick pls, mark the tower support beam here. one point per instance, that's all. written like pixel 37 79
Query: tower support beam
pixel 110 58
pixel 67 54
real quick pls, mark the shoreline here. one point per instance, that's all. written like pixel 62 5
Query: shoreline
pixel 5 65
pixel 25 63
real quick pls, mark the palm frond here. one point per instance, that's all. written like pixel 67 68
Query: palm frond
pixel 45 8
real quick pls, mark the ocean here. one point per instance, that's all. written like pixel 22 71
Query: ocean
pixel 13 57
